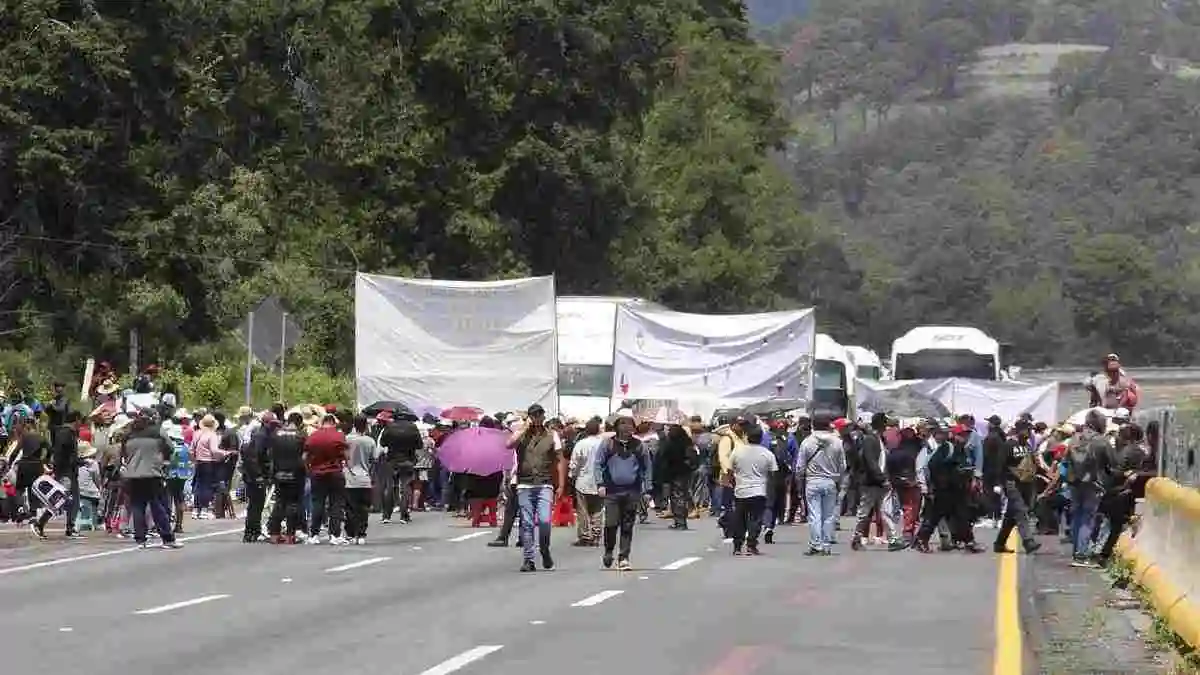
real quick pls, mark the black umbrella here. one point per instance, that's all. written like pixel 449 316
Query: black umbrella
pixel 903 402
pixel 398 410
pixel 773 405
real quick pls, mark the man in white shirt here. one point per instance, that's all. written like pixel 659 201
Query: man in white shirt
pixel 589 505
pixel 752 465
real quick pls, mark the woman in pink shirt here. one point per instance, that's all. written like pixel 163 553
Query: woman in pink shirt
pixel 208 455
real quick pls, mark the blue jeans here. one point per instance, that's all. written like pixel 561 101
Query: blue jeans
pixel 534 505
pixel 1085 501
pixel 821 495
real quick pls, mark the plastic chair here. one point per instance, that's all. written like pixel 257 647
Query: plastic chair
pixel 86 518
pixel 481 510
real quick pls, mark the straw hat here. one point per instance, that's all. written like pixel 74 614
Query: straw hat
pixel 245 411
pixel 107 386
pixel 208 422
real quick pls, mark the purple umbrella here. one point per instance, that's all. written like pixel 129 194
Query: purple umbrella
pixel 477 451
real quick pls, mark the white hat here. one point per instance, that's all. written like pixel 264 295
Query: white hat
pixel 120 421
pixel 1121 414
pixel 182 413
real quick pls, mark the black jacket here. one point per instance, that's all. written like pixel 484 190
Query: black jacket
pixel 286 454
pixel 256 457
pixel 872 472
pixel 402 439
pixel 65 457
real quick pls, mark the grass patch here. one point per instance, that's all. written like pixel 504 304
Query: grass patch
pixel 1187 657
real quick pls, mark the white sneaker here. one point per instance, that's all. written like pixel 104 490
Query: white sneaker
pixel 338 541
pixel 313 541
pixel 174 546
pixel 361 541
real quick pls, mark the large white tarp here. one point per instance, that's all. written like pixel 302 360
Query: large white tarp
pixel 489 344
pixel 729 358
pixel 981 398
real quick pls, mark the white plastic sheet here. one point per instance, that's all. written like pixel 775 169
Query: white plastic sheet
pixel 486 344
pixel 983 398
pixel 730 358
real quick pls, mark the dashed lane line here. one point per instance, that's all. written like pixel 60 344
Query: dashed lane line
pixel 596 599
pixel 456 663
pixel 472 535
pixel 680 564
pixel 359 563
pixel 180 605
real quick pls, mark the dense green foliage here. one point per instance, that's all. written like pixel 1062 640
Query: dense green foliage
pixel 164 165
pixel 1063 218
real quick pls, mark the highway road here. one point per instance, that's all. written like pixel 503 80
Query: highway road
pixel 431 599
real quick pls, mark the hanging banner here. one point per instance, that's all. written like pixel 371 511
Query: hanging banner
pixel 741 357
pixel 489 344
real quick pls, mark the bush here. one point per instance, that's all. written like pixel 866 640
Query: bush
pixel 220 384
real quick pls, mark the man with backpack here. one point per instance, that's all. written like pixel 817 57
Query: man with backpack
pixel 624 473
pixel 781 445
pixel 1017 484
pixel 402 440
pixel 1087 465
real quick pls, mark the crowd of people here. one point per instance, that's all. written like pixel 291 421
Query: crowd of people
pixel 317 473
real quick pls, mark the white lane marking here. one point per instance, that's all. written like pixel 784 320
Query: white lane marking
pixel 65 629
pixel 286 580
pixel 416 548
pixel 472 535
pixel 711 549
pixel 597 598
pixel 679 564
pixel 536 623
pixel 55 562
pixel 727 541
pixel 463 660
pixel 356 565
pixel 180 605
pixel 643 578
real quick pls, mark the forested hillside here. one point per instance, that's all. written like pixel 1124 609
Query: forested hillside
pixel 1067 223
pixel 164 165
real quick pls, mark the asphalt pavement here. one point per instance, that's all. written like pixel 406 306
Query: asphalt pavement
pixel 431 599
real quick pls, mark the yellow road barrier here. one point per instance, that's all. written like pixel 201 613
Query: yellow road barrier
pixel 1165 555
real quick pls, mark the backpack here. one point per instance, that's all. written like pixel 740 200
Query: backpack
pixel 779 448
pixel 180 465
pixel 1026 468
pixel 610 450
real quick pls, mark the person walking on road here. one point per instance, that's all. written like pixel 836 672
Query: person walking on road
pixel 325 456
pixel 1017 486
pixel 539 464
pixel 674 465
pixel 402 440
pixel 1088 462
pixel 875 488
pixel 287 474
pixel 146 454
pixel 361 454
pixel 256 466
pixel 624 472
pixel 65 465
pixel 589 506
pixel 753 466
pixel 821 465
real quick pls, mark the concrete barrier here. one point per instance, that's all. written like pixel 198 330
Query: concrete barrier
pixel 1166 555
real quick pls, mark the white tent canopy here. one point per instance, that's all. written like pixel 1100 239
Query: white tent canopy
pixel 489 344
pixel 981 398
pixel 729 358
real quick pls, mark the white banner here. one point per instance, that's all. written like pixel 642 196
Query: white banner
pixel 488 344
pixel 729 358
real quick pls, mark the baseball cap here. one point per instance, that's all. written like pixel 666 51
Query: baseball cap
pixel 841 423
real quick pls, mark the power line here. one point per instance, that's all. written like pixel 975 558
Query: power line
pixel 179 254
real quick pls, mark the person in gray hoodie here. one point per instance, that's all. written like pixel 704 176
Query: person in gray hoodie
pixel 361 454
pixel 821 465
pixel 145 454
